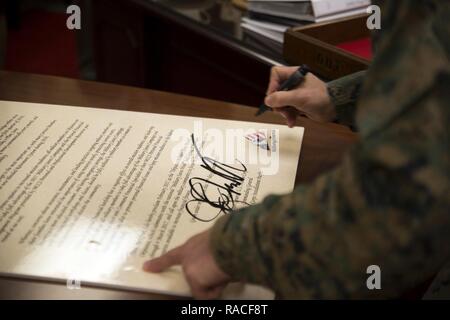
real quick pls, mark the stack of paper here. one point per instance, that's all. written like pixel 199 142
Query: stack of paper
pixel 265 34
pixel 309 10
pixel 268 19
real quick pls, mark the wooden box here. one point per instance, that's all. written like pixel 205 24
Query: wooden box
pixel 317 46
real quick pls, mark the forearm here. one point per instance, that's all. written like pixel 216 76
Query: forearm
pixel 300 244
pixel 318 241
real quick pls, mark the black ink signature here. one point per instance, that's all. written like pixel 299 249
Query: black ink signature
pixel 226 192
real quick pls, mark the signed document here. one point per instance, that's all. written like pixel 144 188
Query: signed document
pixel 87 195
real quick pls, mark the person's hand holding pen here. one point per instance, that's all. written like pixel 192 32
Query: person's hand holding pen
pixel 310 98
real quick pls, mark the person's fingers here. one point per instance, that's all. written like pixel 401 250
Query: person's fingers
pixel 171 258
pixel 273 86
pixel 291 122
pixel 198 291
pixel 290 118
pixel 280 99
pixel 213 293
pixel 278 75
pixel 290 114
pixel 204 284
pixel 206 293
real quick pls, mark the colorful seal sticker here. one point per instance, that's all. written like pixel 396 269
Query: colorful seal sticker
pixel 259 138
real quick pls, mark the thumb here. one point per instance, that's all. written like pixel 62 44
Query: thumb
pixel 281 99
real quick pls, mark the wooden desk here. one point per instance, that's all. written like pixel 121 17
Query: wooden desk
pixel 322 148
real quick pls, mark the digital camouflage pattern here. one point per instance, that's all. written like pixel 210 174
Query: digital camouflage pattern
pixel 344 93
pixel 388 203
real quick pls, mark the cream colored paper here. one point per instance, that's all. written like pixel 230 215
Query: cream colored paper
pixel 87 195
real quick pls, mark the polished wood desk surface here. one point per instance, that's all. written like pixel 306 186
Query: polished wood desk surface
pixel 323 147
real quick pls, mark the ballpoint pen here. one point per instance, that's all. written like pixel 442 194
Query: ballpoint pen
pixel 293 81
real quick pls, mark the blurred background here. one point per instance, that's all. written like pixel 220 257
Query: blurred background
pixel 193 47
pixel 217 49
pixel 35 40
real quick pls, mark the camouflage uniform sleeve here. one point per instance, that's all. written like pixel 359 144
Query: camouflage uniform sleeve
pixel 386 204
pixel 344 93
